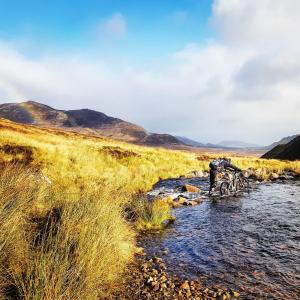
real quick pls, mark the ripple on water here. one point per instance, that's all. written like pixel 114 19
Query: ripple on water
pixel 251 243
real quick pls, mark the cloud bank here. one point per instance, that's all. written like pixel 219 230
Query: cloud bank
pixel 243 84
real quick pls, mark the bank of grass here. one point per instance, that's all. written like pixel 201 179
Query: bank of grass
pixel 151 215
pixel 63 233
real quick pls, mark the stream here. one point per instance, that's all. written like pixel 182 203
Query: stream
pixel 250 243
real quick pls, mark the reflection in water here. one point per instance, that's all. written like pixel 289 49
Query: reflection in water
pixel 251 243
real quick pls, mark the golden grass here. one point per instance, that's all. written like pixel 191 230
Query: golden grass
pixel 69 239
pixel 151 215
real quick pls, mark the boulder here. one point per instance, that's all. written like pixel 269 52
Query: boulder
pixel 190 188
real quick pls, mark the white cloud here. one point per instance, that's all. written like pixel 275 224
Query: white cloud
pixel 115 26
pixel 242 85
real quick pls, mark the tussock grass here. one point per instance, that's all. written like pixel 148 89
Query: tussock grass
pixel 151 215
pixel 66 237
pixel 72 251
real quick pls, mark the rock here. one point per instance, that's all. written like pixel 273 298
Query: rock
pixel 192 203
pixel 274 176
pixel 182 201
pixel 185 285
pixel 140 251
pixel 199 200
pixel 236 294
pixel 157 259
pixel 286 177
pixel 190 188
pixel 150 280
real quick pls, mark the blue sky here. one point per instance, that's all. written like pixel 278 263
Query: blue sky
pixel 210 70
pixel 154 28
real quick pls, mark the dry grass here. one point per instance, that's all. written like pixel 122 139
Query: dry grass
pixel 68 239
pixel 151 215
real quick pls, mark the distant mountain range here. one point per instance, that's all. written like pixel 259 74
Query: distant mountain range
pixel 221 145
pixel 289 150
pixel 238 144
pixel 97 123
pixel 83 120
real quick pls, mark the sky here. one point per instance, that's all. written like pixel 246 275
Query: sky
pixel 209 70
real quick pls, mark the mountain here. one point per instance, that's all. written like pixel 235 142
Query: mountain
pixel 83 120
pixel 237 144
pixel 289 151
pixel 189 142
pixel 226 145
pixel 283 141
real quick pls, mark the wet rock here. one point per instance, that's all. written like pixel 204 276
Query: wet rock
pixel 286 177
pixel 190 188
pixel 185 285
pixel 147 279
pixel 181 201
pixel 140 251
pixel 157 259
pixel 192 203
pixel 274 176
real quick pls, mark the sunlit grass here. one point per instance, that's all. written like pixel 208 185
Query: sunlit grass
pixel 152 215
pixel 62 230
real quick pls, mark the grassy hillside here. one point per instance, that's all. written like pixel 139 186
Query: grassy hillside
pixel 63 234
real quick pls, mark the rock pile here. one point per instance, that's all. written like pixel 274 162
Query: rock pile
pixel 148 279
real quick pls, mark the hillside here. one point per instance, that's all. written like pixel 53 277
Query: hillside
pixel 82 120
pixel 57 185
pixel 289 151
pixel 190 142
pixel 283 141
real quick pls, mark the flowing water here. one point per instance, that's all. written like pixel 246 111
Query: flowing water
pixel 251 243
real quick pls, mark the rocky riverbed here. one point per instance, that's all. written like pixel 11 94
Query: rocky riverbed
pixel 183 261
pixel 147 278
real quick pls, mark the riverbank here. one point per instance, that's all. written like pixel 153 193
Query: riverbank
pixel 148 278
pixel 248 242
pixel 55 186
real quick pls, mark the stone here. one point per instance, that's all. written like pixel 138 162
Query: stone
pixel 192 203
pixel 140 251
pixel 185 285
pixel 274 176
pixel 199 200
pixel 181 201
pixel 236 294
pixel 157 260
pixel 190 188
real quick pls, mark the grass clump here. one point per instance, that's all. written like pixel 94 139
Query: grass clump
pixel 71 251
pixel 152 215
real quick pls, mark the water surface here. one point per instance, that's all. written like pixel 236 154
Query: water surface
pixel 251 243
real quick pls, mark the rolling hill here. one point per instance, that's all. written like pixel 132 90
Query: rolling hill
pixel 84 121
